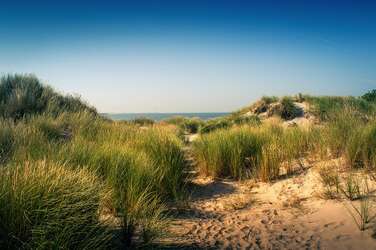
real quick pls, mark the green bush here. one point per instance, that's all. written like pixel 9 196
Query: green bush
pixel 47 206
pixel 370 96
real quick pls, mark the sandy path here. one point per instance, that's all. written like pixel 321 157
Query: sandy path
pixel 287 214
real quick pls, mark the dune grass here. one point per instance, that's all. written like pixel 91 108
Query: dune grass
pixel 324 106
pixel 247 151
pixel 6 141
pixel 25 95
pixel 228 153
pixel 351 134
pixel 187 125
pixel 62 166
pixel 361 147
pixel 142 168
pixel 143 121
pixel 46 206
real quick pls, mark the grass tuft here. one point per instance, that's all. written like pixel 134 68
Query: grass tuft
pixel 45 206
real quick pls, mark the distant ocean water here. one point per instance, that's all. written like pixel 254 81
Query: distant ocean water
pixel 163 116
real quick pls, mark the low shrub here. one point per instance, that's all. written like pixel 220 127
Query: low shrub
pixel 370 96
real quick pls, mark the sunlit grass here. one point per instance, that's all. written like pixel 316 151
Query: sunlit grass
pixel 46 206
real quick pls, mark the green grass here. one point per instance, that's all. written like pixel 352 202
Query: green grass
pixel 143 121
pixel 269 99
pixel 361 147
pixel 135 198
pixel 351 134
pixel 370 96
pixel 331 181
pixel 229 153
pixel 142 168
pixel 233 120
pixel 165 152
pixel 6 141
pixel 324 106
pixel 47 206
pixel 62 166
pixel 289 110
pixel 247 151
pixel 187 125
pixel 215 124
pixel 25 95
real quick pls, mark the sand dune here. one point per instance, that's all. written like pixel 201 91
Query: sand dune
pixel 287 214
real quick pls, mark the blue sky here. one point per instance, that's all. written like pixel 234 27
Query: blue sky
pixel 191 56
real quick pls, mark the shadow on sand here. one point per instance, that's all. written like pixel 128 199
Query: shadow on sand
pixel 213 189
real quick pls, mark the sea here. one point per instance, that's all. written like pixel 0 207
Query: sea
pixel 163 116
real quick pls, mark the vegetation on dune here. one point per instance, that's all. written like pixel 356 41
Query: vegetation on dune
pixel 23 95
pixel 251 151
pixel 46 206
pixel 138 169
pixel 143 121
pixel 230 153
pixel 63 167
pixel 324 106
pixel 370 96
pixel 361 147
pixel 196 125
pixel 187 125
pixel 232 120
pixel 289 110
pixel 6 141
pixel 214 124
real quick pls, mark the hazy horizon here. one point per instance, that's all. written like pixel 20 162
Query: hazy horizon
pixel 191 56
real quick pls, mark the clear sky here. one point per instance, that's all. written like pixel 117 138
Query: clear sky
pixel 191 56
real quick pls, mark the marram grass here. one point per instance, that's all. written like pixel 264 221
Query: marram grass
pixel 44 205
pixel 244 152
